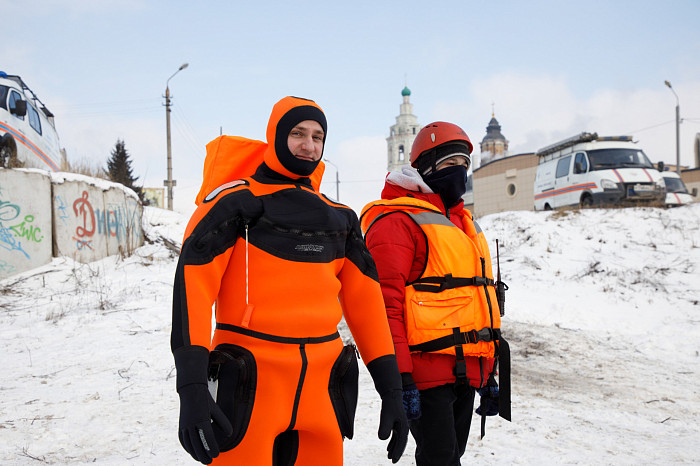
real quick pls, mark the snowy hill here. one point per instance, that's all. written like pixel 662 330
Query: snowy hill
pixel 603 318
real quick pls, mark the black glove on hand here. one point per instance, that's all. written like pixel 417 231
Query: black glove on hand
pixel 197 410
pixel 411 402
pixel 411 397
pixel 197 407
pixel 489 395
pixel 392 419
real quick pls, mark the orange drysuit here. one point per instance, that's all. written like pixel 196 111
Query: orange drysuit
pixel 283 264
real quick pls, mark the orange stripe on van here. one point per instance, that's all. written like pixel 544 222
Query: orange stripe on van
pixel 20 137
pixel 617 174
pixel 577 187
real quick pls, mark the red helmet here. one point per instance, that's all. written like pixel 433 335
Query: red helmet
pixel 436 134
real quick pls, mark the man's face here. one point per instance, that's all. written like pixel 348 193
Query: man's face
pixel 305 141
pixel 452 161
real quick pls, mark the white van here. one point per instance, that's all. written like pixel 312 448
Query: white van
pixel 587 170
pixel 676 191
pixel 28 137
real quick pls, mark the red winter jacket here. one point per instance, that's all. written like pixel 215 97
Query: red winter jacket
pixel 399 249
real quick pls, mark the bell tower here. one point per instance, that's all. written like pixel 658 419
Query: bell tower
pixel 402 134
pixel 494 145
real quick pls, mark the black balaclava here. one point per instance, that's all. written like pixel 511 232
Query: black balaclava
pixel 286 114
pixel 450 183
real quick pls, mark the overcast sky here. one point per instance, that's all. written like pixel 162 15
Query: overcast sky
pixel 550 68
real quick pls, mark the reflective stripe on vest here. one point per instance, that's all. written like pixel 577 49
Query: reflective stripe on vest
pixel 447 305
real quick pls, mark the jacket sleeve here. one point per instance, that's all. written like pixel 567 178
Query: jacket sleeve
pixel 392 243
pixel 361 299
pixel 206 249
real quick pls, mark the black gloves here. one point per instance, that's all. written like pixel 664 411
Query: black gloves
pixel 411 397
pixel 489 401
pixel 197 407
pixel 392 419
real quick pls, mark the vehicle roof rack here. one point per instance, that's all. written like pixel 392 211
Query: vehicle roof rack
pixel 26 88
pixel 579 138
pixel 583 137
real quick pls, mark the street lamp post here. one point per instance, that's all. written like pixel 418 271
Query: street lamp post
pixel 169 183
pixel 337 181
pixel 678 129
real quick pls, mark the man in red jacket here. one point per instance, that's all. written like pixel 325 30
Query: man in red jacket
pixel 435 273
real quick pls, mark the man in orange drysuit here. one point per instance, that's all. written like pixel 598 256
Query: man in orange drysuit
pixel 283 264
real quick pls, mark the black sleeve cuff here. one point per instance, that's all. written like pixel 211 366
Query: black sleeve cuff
pixel 407 379
pixel 191 363
pixel 385 374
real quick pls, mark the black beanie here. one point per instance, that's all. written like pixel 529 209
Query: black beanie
pixel 430 159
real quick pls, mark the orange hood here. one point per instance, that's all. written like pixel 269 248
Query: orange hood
pixel 286 114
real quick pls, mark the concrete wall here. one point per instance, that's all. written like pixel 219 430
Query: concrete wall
pixel 25 220
pixel 505 184
pixel 63 214
pixel 691 178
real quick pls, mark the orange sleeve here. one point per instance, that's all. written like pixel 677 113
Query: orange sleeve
pixel 206 250
pixel 361 298
pixel 363 308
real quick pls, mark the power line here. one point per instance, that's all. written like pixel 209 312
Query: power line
pixel 651 127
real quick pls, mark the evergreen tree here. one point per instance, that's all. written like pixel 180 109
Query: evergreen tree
pixel 119 168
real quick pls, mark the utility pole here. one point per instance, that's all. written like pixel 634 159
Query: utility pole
pixel 678 129
pixel 169 183
pixel 337 180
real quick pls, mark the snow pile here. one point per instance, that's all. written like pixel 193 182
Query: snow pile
pixel 602 316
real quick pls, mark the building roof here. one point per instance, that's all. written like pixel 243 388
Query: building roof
pixel 493 131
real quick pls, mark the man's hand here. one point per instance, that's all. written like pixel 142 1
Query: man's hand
pixel 489 399
pixel 197 410
pixel 392 421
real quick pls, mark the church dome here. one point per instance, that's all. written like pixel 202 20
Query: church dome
pixel 493 132
pixel 406 91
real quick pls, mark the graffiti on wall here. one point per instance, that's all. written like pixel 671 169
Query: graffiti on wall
pixel 115 221
pixel 16 228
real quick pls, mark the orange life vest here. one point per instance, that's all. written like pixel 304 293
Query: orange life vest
pixel 453 304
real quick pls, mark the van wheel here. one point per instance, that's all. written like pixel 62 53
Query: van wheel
pixel 547 207
pixel 586 201
pixel 8 153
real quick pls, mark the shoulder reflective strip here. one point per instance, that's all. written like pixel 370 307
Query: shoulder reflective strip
pixel 476 225
pixel 569 189
pixel 223 187
pixel 429 218
pixel 617 174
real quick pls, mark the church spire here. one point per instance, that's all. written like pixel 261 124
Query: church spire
pixel 402 134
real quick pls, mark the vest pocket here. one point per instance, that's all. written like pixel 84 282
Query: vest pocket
pixel 232 384
pixel 442 311
pixel 343 389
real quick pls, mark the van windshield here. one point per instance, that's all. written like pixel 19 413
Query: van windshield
pixel 675 185
pixel 602 159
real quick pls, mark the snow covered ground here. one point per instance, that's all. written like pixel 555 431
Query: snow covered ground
pixel 603 318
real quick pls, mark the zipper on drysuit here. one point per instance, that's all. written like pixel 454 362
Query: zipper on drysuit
pixel 248 307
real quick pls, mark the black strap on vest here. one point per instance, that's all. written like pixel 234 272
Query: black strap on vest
pixel 460 363
pixel 458 338
pixel 504 379
pixel 438 284
pixel 277 338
